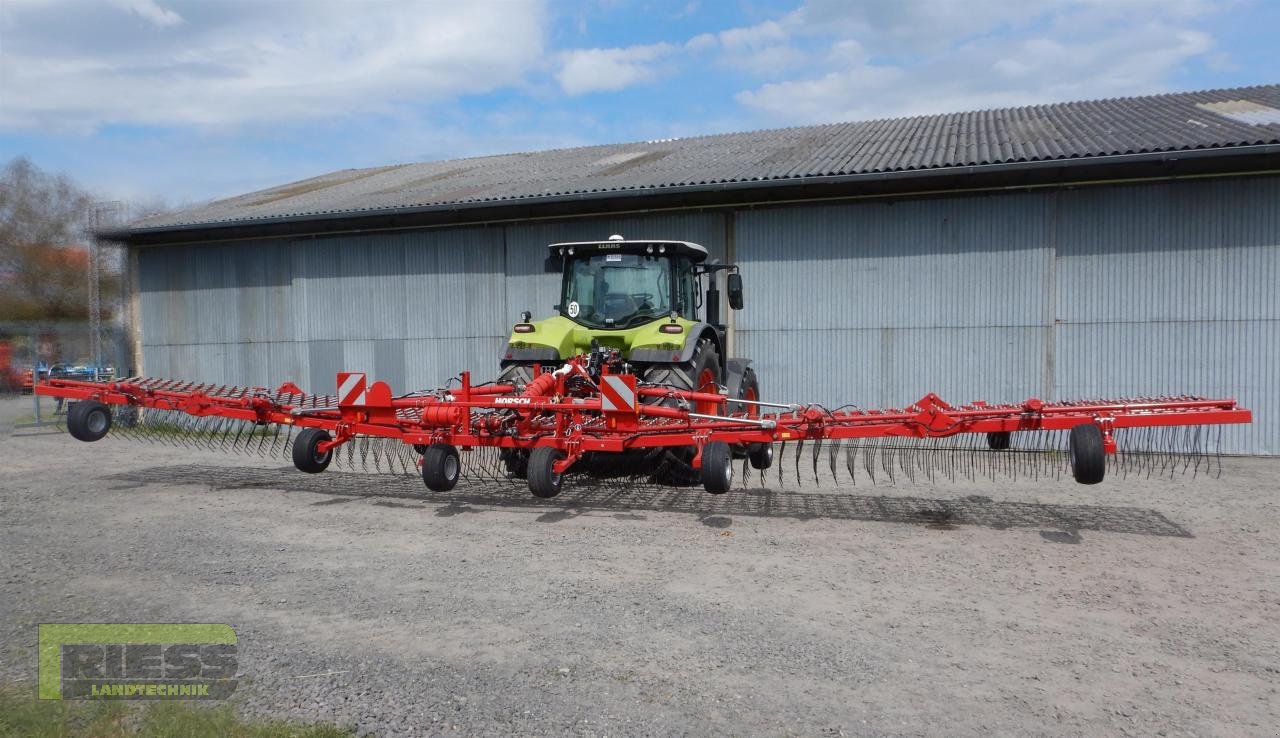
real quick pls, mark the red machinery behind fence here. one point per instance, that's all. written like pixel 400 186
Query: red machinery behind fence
pixel 590 406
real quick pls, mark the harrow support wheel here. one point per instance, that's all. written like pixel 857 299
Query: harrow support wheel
pixel 1087 453
pixel 88 420
pixel 441 467
pixel 760 455
pixel 305 455
pixel 717 467
pixel 543 481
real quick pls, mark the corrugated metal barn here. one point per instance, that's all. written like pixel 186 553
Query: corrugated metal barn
pixel 1117 247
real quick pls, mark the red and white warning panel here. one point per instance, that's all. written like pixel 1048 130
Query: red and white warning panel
pixel 352 388
pixel 618 394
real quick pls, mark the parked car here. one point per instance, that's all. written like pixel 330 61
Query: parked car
pixel 83 370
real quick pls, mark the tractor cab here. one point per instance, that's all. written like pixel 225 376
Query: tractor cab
pixel 643 299
pixel 618 284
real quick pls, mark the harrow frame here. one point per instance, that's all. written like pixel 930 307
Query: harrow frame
pixel 586 407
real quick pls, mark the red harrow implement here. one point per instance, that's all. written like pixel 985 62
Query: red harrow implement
pixel 590 416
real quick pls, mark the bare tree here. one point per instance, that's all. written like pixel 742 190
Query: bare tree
pixel 38 208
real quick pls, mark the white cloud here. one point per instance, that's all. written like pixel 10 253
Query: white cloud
pixel 765 49
pixel 150 11
pixel 78 67
pixel 930 56
pixel 607 70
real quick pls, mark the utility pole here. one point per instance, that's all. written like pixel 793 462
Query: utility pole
pixel 103 215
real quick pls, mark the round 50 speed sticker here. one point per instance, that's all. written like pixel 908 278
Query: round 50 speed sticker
pixel 574 309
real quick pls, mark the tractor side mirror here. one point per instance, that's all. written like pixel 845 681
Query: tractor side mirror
pixel 554 263
pixel 734 283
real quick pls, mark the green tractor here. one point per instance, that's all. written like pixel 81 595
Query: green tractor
pixel 644 298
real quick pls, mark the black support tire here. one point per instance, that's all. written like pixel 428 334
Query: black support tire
pixel 441 467
pixel 999 441
pixel 760 455
pixel 305 455
pixel 543 481
pixel 1087 453
pixel 88 420
pixel 717 467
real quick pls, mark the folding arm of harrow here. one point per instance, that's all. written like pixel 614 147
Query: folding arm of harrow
pixel 583 408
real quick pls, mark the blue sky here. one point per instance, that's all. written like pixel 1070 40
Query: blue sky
pixel 182 101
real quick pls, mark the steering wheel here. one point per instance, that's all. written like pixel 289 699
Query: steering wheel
pixel 643 299
pixel 617 304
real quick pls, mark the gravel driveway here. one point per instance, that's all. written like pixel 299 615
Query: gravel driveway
pixel 1032 608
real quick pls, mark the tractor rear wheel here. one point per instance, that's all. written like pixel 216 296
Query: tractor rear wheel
pixel 305 455
pixel 701 373
pixel 441 467
pixel 88 420
pixel 543 480
pixel 1087 453
pixel 748 390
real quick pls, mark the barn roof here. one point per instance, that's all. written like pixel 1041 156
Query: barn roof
pixel 1087 130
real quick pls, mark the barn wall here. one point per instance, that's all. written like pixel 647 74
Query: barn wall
pixel 1102 291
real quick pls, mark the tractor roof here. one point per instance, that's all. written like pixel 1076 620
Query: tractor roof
pixel 693 250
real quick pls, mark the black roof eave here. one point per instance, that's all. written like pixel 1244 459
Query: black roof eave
pixel 1003 176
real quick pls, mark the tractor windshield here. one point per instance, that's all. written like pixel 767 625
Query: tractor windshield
pixel 617 290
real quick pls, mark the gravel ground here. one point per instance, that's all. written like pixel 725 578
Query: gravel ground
pixel 1032 608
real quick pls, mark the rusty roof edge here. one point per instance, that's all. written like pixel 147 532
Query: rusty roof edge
pixel 908 174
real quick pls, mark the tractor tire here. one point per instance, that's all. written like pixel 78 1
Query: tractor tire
pixel 517 374
pixel 88 420
pixel 305 456
pixel 516 462
pixel 543 481
pixel 748 390
pixel 1087 453
pixel 441 467
pixel 999 441
pixel 701 371
pixel 717 467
